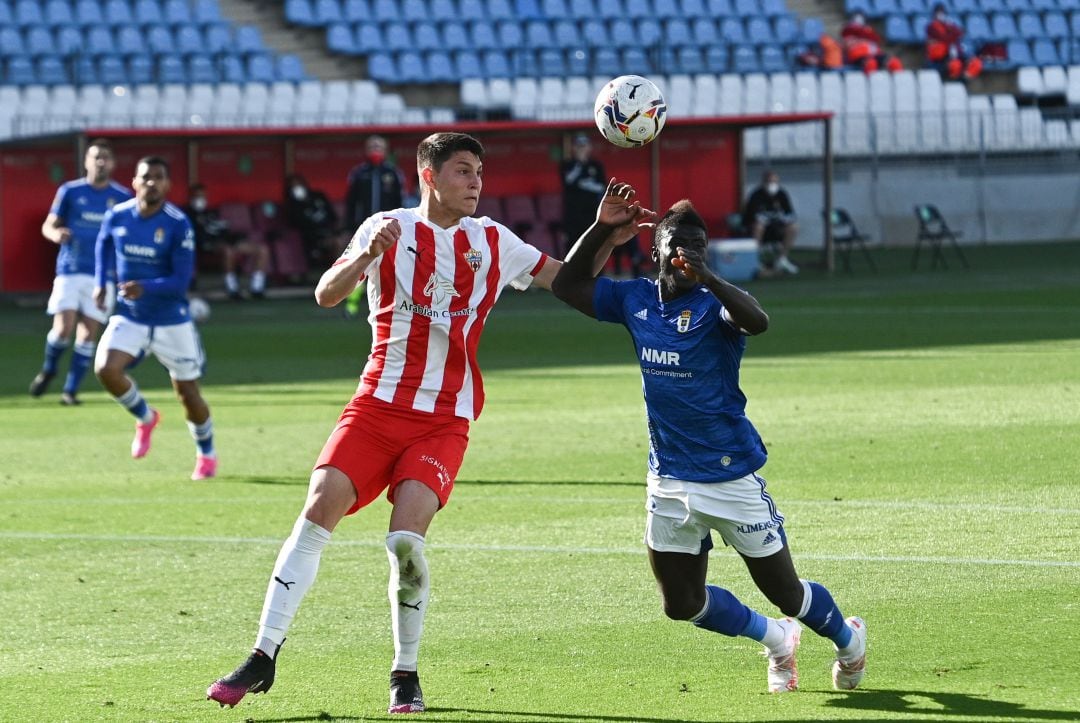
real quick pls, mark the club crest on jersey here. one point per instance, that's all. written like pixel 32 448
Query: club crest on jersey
pixel 473 258
pixel 683 324
pixel 440 290
pixel 159 236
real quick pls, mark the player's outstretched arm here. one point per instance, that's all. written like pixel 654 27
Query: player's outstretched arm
pixel 340 279
pixel 618 219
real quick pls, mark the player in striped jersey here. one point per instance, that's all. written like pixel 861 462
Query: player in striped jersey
pixel 433 272
pixel 73 223
pixel 689 328
pixel 149 245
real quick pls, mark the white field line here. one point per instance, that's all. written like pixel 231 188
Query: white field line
pixel 541 549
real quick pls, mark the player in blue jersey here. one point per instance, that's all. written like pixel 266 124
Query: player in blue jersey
pixel 149 245
pixel 73 224
pixel 689 329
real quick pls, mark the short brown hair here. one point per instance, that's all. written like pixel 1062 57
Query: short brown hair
pixel 437 148
pixel 100 143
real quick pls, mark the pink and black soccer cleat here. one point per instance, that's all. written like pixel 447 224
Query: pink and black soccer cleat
pixel 205 467
pixel 141 444
pixel 405 693
pixel 255 675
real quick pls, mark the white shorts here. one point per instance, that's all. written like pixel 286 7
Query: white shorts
pixel 680 515
pixel 75 292
pixel 177 346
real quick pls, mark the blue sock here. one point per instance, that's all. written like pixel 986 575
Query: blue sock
pixel 724 614
pixel 132 401
pixel 821 614
pixel 203 434
pixel 80 362
pixel 54 349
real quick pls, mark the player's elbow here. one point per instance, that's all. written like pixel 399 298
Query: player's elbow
pixel 759 324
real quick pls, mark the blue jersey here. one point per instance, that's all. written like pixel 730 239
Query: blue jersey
pixel 81 207
pixel 158 251
pixel 689 355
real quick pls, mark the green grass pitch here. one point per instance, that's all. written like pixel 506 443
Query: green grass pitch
pixel 923 432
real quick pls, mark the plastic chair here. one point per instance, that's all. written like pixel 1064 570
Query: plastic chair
pixel 934 230
pixel 847 237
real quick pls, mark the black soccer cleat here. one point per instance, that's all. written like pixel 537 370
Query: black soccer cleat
pixel 41 383
pixel 405 693
pixel 255 675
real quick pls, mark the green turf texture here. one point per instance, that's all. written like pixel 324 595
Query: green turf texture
pixel 922 428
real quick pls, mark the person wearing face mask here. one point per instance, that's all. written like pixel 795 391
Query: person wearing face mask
pixel 310 212
pixel 945 50
pixel 771 219
pixel 862 46
pixel 213 234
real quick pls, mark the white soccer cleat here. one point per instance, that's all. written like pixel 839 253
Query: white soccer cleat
pixel 785 264
pixel 783 672
pixel 848 670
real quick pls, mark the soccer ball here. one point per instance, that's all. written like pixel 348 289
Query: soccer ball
pixel 199 310
pixel 630 111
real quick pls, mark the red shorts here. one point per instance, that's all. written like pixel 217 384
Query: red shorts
pixel 378 445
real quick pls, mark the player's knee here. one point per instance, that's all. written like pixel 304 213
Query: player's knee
pixel 788 599
pixel 682 606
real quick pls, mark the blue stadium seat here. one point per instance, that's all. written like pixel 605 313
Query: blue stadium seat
pixel 468 64
pixel 170 69
pixel 290 68
pixel 51 71
pixel 218 39
pixel 581 10
pixel 411 68
pixel 385 11
pixel 469 10
pixel 369 39
pixel 483 36
pixel 913 7
pixel 677 33
pixel 732 31
pixel 689 60
pixel 98 41
pixel 744 60
pixel 992 6
pixel 812 30
pixel 523 63
pixel 606 61
pixel 20 71
pixel 649 32
pixel 118 12
pixel 1045 52
pixel 11 42
pixel 69 40
pixel 551 63
pixel 665 11
pixel 231 69
pixel 148 12
pixel 85 71
pixel 977 28
pixel 1017 6
pixel 538 35
pixel 595 33
pixel 28 13
pixel 382 68
pixel 58 13
pixel 139 70
pixel 758 31
pixel 206 12
pixel 578 62
pixel 88 13
pixel 623 34
pixel 260 68
pixel 7 18
pixel 635 61
pixel 455 36
pixel 426 37
pixel 1056 26
pixel 177 12
pixel 565 35
pixel 248 39
pixel 918 27
pixel 881 8
pixel 340 39
pixel 300 12
pixel 111 70
pixel 747 8
pixel 500 10
pixel 413 11
pixel 1030 26
pixel 1045 5
pixel 555 9
pixel 898 29
pixel 510 35
pixel 772 59
pixel 443 11
pixel 160 40
pixel 39 41
pixel 1003 27
pixel 1019 53
pixel 705 33
pixel 327 11
pixel 353 11
pixel 718 59
pixel 397 38
pixel 640 9
pixel 610 10
pixel 786 29
pixel 693 9
pixel 200 69
pixel 496 64
pixel 129 41
pixel 1074 24
pixel 440 67
pixel 774 8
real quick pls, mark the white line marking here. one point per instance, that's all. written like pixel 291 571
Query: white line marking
pixel 544 549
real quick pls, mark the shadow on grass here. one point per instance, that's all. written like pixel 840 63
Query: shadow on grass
pixel 945 705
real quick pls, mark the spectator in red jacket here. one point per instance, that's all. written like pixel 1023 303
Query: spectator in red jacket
pixel 944 49
pixel 862 46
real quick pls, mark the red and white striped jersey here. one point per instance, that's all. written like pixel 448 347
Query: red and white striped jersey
pixel 430 294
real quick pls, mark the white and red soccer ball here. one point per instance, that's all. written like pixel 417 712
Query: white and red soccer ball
pixel 630 111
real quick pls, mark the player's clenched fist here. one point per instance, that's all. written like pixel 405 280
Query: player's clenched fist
pixel 383 236
pixel 691 263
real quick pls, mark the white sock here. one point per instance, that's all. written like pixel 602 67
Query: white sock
pixel 294 572
pixel 133 401
pixel 231 283
pixel 258 282
pixel 774 634
pixel 408 592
